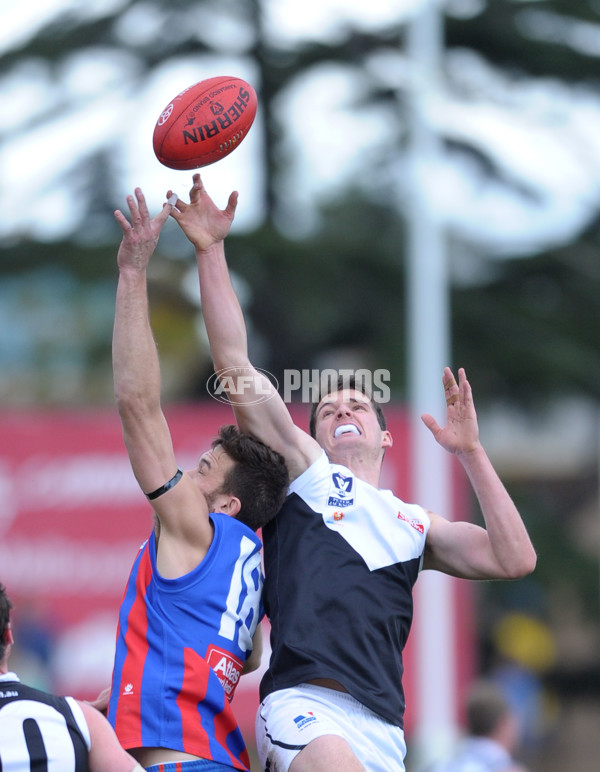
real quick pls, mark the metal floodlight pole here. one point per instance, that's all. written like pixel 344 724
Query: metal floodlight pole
pixel 428 352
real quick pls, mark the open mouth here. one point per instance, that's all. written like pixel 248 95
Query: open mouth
pixel 346 429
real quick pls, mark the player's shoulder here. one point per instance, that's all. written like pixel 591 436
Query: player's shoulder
pixel 22 691
pixel 229 530
pixel 319 467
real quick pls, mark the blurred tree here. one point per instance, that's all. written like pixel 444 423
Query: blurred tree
pixel 527 328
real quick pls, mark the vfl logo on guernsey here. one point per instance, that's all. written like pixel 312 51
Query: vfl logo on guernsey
pixel 340 492
pixel 303 721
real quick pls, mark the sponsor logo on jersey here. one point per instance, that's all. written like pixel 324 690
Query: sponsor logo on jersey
pixel 9 694
pixel 413 522
pixel 338 515
pixel 340 492
pixel 303 721
pixel 227 667
pixel 128 689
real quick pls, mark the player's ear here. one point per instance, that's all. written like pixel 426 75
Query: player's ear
pixel 229 504
pixel 8 636
pixel 386 439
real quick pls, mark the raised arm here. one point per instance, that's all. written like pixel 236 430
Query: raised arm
pixel 136 370
pixel 501 550
pixel 269 420
pixel 137 384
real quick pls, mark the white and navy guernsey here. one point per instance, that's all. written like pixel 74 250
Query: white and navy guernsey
pixel 341 560
pixel 39 730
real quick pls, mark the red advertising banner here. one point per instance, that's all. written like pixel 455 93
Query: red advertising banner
pixel 73 518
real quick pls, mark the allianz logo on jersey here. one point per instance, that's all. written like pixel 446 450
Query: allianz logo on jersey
pixel 340 490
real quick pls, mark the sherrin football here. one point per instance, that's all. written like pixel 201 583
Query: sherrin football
pixel 204 123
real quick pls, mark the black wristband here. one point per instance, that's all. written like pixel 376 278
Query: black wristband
pixel 167 486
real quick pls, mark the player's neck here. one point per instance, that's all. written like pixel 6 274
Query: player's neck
pixel 366 469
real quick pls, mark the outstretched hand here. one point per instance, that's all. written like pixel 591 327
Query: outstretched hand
pixel 140 236
pixel 461 433
pixel 201 220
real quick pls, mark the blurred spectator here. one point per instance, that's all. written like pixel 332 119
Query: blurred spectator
pixel 492 736
pixel 34 626
pixel 525 650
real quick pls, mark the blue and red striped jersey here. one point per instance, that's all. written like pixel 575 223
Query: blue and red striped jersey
pixel 181 645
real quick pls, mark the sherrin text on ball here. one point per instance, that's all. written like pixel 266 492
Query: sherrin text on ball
pixel 204 123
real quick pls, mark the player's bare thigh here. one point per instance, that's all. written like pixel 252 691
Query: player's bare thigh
pixel 328 753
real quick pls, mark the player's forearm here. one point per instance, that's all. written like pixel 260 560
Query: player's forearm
pixel 136 370
pixel 509 540
pixel 221 311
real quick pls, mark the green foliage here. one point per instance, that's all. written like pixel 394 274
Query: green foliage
pixel 529 330
pixel 340 289
pixel 531 37
pixel 533 331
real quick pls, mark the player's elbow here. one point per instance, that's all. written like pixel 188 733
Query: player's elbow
pixel 131 401
pixel 253 661
pixel 254 658
pixel 250 665
pixel 530 564
pixel 522 565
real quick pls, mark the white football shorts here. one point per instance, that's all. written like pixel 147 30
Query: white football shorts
pixel 288 719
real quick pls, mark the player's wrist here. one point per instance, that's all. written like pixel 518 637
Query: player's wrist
pixel 471 452
pixel 133 272
pixel 205 251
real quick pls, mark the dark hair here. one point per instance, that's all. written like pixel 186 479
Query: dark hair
pixel 486 707
pixel 345 382
pixel 259 478
pixel 5 607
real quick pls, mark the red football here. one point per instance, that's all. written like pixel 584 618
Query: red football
pixel 204 123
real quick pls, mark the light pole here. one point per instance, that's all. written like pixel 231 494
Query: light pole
pixel 428 353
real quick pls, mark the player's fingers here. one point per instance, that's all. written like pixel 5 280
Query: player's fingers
pixel 122 220
pixel 133 209
pixel 232 204
pixel 448 376
pixel 164 214
pixel 451 389
pixel 142 206
pixel 178 204
pixel 467 393
pixel 431 424
pixel 197 188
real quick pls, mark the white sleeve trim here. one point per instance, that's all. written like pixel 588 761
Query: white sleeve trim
pixel 81 722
